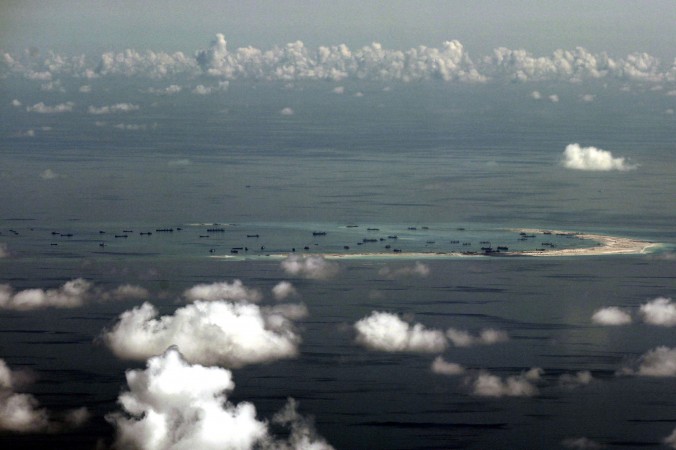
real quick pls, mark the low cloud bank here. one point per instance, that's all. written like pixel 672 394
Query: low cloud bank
pixel 593 159
pixel 173 404
pixel 22 412
pixel 387 332
pixel 294 61
pixel 72 294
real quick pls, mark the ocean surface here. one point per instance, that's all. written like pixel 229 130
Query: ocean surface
pixel 434 164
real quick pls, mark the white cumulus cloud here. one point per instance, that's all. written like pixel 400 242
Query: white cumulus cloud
pixel 658 362
pixel 314 267
pixel 174 405
pixel 384 331
pixel 208 332
pixel 611 315
pixel 74 293
pixel 592 159
pixel 523 385
pixel 660 311
pixel 22 412
pixel 571 381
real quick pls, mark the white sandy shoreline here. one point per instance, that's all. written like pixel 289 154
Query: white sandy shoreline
pixel 606 245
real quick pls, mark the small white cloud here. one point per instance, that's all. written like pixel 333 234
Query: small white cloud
pixel 581 443
pixel 48 174
pixel 41 108
pixel 671 93
pixel 200 89
pixel 488 336
pixel 116 108
pixel 283 290
pixel 338 90
pixel 442 367
pixel 581 378
pixel 223 291
pixel 660 311
pixel 592 159
pixel 286 111
pixel 314 267
pixel 418 269
pixel 587 98
pixel 179 162
pixel 669 111
pixel 535 95
pixel 553 98
pixel 658 362
pixel 208 332
pixel 16 103
pixel 523 385
pixel 387 332
pixel 85 89
pixel 612 316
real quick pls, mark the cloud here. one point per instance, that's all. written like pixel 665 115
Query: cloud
pixel 441 367
pixel 48 174
pixel 535 95
pixel 286 111
pixel 487 336
pixel 553 98
pixel 314 267
pixel 611 315
pixel 418 269
pixel 658 362
pixel 116 108
pixel 523 385
pixel 660 311
pixel 223 291
pixel 16 103
pixel 130 126
pixel 387 332
pixel 581 443
pixel 4 251
pixel 208 332
pixel 592 159
pixel 56 109
pixel 283 290
pixel 169 90
pixel 179 162
pixel 85 89
pixel 671 439
pixel 73 294
pixel 173 404
pixel 22 412
pixel 338 90
pixel 581 378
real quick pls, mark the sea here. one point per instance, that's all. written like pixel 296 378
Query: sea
pixel 272 168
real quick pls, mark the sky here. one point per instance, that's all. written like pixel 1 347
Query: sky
pixel 95 26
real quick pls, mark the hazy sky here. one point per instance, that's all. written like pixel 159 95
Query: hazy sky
pixel 616 26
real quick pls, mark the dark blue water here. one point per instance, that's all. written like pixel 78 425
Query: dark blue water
pixel 483 158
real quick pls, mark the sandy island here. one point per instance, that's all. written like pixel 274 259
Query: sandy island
pixel 606 245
